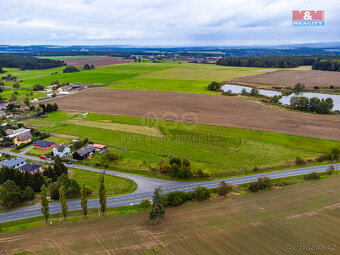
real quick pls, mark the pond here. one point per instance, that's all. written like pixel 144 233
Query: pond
pixel 237 89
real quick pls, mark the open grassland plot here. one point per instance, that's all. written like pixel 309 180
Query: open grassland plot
pixel 143 130
pixel 114 185
pixel 209 109
pixel 288 78
pixel 269 222
pixel 221 150
pixel 167 76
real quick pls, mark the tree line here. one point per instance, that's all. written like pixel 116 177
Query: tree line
pixel 26 62
pixel 311 105
pixel 327 65
pixel 318 62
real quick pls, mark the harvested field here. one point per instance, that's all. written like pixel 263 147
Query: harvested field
pixel 97 61
pixel 291 77
pixel 270 222
pixel 210 109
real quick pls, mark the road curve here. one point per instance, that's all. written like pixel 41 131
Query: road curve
pixel 145 188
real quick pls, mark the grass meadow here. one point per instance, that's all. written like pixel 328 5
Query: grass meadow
pixel 221 150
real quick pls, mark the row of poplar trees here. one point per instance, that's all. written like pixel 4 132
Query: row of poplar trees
pixel 63 199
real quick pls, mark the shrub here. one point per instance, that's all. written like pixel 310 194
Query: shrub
pixel 262 183
pixel 145 203
pixel 70 69
pixel 176 198
pixel 312 176
pixel 336 153
pixel 201 193
pixel 176 161
pixel 111 156
pixel 88 190
pixel 330 170
pixel 202 173
pixel 37 87
pixel 214 86
pixel 28 193
pixel 164 167
pixel 300 161
pixel 224 189
pixel 255 92
pixel 184 172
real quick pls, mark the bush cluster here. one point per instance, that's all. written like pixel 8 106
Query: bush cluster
pixel 262 183
pixel 312 176
pixel 179 197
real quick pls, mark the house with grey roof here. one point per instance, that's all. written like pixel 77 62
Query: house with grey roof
pixel 13 163
pixel 31 168
pixel 61 150
pixel 84 152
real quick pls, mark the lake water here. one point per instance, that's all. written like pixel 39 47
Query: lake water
pixel 237 89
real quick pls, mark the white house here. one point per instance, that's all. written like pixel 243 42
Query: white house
pixel 61 150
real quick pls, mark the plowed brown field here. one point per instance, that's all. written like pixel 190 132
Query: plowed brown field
pixel 97 61
pixel 210 109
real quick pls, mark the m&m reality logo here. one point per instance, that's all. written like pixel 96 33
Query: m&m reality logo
pixel 308 18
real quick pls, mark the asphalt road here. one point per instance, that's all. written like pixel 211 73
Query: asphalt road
pixel 145 188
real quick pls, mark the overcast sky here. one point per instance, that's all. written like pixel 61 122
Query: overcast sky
pixel 163 22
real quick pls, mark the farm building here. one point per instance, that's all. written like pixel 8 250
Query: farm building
pixel 13 163
pixel 61 150
pixel 42 144
pixel 31 168
pixel 22 138
pixel 84 152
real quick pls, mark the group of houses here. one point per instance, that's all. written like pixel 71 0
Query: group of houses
pixel 19 136
pixel 63 151
pixel 22 165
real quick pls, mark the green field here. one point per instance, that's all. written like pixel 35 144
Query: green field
pixel 221 150
pixel 167 76
pixel 114 185
pixel 288 220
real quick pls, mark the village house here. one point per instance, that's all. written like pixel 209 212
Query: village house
pixel 71 87
pixel 61 150
pixel 10 133
pixel 22 139
pixel 31 168
pixel 84 152
pixel 42 144
pixel 13 163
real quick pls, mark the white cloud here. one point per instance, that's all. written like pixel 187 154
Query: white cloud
pixel 162 22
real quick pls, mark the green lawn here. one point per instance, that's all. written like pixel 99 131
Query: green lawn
pixel 114 185
pixel 221 150
pixel 167 76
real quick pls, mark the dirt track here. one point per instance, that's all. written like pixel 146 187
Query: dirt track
pixel 210 109
pixel 291 77
pixel 98 61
